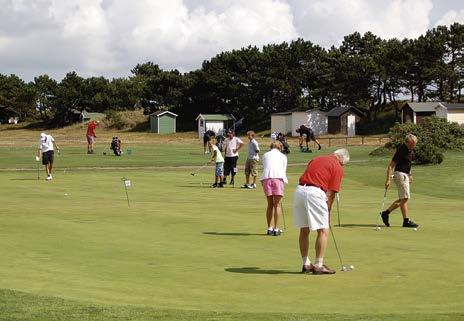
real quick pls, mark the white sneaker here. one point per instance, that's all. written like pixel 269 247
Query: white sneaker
pixel 49 178
pixel 251 186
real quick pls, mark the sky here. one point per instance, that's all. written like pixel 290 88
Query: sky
pixel 110 37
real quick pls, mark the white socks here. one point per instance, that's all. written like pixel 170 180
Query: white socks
pixel 306 260
pixel 319 262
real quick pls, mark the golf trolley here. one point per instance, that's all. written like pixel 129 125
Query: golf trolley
pixel 116 146
pixel 283 140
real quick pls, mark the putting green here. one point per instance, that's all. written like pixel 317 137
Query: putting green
pixel 182 246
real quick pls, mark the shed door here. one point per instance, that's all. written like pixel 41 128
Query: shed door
pixel 166 124
pixel 351 125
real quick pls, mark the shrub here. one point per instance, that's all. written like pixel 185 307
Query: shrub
pixel 124 119
pixel 435 135
pixel 382 151
pixel 427 154
pixel 113 119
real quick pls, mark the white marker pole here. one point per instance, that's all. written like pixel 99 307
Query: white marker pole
pixel 127 184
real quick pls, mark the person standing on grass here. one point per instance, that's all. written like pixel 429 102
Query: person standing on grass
pixel 91 135
pixel 219 160
pixel 273 179
pixel 400 167
pixel 312 205
pixel 47 146
pixel 206 139
pixel 232 145
pixel 308 134
pixel 251 164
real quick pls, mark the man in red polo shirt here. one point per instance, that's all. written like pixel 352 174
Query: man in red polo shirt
pixel 312 204
pixel 91 135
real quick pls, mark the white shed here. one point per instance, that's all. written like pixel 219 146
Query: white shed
pixel 416 112
pixel 214 122
pixel 288 122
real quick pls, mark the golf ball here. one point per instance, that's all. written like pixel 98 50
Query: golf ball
pixel 415 229
pixel 377 228
pixel 343 268
pixel 352 267
pixel 65 194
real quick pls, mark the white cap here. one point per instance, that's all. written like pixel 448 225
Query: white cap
pixel 42 135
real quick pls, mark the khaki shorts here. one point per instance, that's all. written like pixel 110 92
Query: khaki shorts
pixel 402 183
pixel 251 167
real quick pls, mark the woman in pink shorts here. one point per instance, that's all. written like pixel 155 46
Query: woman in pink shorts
pixel 273 179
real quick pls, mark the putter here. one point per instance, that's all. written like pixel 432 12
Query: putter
pixel 377 227
pixel 283 217
pixel 198 169
pixel 344 268
pixel 37 159
pixel 38 170
pixel 338 208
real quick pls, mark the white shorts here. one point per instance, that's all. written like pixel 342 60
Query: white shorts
pixel 310 208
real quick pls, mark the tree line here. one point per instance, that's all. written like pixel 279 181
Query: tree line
pixel 365 71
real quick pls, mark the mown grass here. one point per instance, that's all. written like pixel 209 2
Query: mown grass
pixel 73 250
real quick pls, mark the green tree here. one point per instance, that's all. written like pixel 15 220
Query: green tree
pixel 46 90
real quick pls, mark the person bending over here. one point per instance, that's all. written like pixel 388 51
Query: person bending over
pixel 307 134
pixel 312 204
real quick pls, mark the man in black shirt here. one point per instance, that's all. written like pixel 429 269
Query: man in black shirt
pixel 308 132
pixel 206 138
pixel 400 167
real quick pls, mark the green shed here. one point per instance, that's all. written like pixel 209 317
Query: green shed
pixel 163 122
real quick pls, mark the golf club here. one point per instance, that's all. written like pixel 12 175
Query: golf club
pixel 344 268
pixel 381 209
pixel 283 217
pixel 198 169
pixel 338 208
pixel 37 159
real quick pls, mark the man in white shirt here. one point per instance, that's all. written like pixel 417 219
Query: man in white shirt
pixel 46 148
pixel 232 146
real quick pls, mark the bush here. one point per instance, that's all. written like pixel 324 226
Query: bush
pixel 427 154
pixel 124 119
pixel 382 151
pixel 113 119
pixel 435 135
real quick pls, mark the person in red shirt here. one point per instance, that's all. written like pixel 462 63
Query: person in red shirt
pixel 313 202
pixel 91 135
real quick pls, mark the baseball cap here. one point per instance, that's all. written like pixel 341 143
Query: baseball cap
pixel 42 136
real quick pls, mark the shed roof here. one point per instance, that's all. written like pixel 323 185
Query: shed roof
pixel 459 106
pixel 425 106
pixel 217 117
pixel 298 110
pixel 338 111
pixel 162 112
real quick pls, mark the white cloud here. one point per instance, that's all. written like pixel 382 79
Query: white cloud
pixel 109 37
pixel 387 19
pixel 451 17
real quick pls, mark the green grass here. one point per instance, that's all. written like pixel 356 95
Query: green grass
pixel 71 249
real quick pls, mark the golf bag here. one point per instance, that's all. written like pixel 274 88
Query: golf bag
pixel 286 147
pixel 116 146
pixel 220 140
